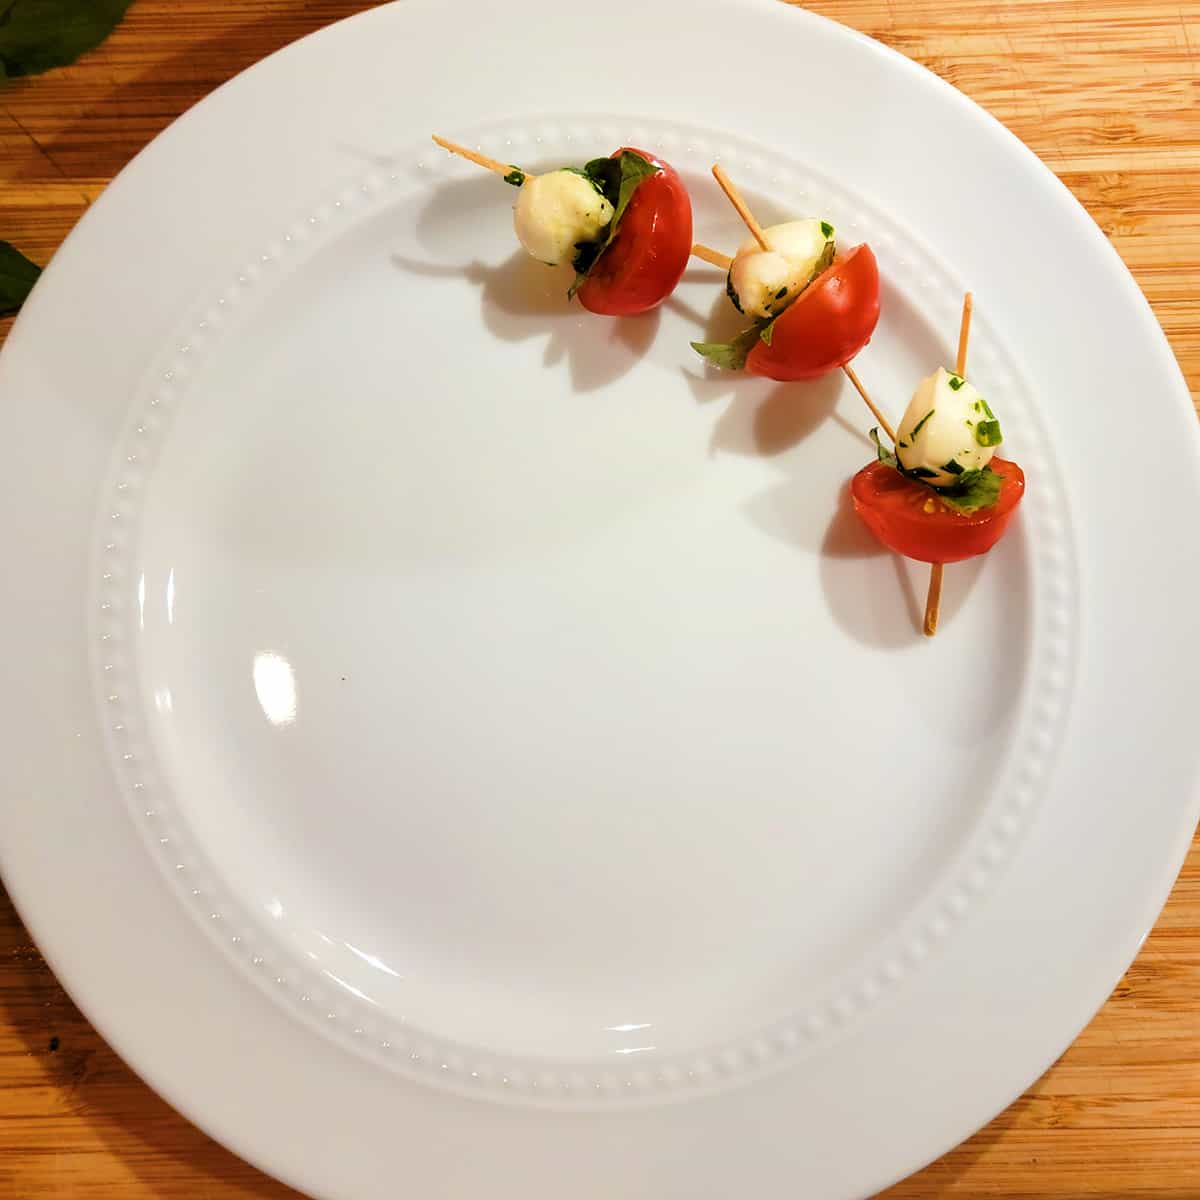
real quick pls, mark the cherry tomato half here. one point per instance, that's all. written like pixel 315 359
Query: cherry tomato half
pixel 826 325
pixel 642 265
pixel 907 517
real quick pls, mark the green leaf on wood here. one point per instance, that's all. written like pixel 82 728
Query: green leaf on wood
pixel 17 276
pixel 37 35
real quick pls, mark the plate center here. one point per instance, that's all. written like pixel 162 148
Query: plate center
pixel 530 685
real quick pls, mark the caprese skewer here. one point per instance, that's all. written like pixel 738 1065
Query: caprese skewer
pixel 942 494
pixel 623 222
pixel 813 305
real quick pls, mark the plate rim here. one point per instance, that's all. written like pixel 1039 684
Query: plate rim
pixel 1152 898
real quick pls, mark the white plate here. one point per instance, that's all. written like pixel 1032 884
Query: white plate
pixel 465 745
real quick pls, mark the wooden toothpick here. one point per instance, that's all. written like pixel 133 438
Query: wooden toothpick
pixel 738 203
pixel 717 259
pixel 862 391
pixel 480 160
pixel 933 598
pixel 711 256
pixel 964 333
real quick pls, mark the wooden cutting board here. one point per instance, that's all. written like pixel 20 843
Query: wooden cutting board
pixel 1107 92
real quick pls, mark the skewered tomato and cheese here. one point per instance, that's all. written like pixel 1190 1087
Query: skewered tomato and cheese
pixel 761 282
pixel 947 430
pixel 557 212
pixel 623 222
pixel 815 307
pixel 944 495
pixel 649 245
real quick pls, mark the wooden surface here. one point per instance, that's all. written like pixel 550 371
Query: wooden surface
pixel 1108 94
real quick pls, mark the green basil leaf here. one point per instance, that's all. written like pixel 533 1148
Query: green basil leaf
pixel 730 356
pixel 884 455
pixel 605 174
pixel 17 277
pixel 616 179
pixel 36 35
pixel 972 491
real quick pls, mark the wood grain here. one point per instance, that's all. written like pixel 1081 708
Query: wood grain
pixel 1107 92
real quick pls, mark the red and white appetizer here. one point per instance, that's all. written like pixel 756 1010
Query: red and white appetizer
pixel 814 305
pixel 942 494
pixel 623 222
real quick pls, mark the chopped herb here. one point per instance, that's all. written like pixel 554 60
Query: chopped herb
pixel 823 263
pixel 767 332
pixel 616 179
pixel 730 356
pixel 987 433
pixel 972 490
pixel 827 229
pixel 918 426
pixel 779 295
pixel 884 455
pixel 516 177
pixel 986 409
pixel 731 292
pixel 955 383
pixel 953 467
pixel 903 445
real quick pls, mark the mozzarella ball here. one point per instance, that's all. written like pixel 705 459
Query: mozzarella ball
pixel 766 281
pixel 947 429
pixel 556 211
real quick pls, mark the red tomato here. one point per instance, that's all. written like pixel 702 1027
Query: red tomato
pixel 826 325
pixel 642 265
pixel 907 516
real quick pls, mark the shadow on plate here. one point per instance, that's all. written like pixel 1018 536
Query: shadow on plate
pixel 521 299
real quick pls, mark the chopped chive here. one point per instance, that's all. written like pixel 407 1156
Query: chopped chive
pixel 827 230
pixel 986 409
pixel 987 433
pixel 779 295
pixel 917 427
pixel 731 292
pixel 767 332
pixel 952 467
pixel 884 455
pixel 516 177
pixel 955 383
